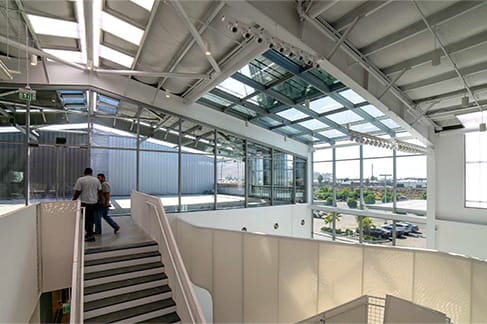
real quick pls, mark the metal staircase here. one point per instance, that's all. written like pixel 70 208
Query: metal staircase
pixel 127 283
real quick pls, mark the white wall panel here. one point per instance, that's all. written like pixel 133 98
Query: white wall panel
pixel 479 289
pixel 300 214
pixel 298 276
pixel 18 271
pixel 260 219
pixel 202 258
pixel 462 238
pixel 58 221
pixel 442 282
pixel 469 239
pixel 388 271
pixel 184 234
pixel 227 277
pixel 260 279
pixel 340 274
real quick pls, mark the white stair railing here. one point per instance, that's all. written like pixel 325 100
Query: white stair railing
pixel 76 298
pixel 154 221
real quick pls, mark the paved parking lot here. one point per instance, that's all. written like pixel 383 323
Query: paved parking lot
pixel 349 222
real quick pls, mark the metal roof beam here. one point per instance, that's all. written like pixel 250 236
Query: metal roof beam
pixel 243 56
pixel 146 32
pixel 460 46
pixel 196 35
pixel 473 69
pixel 319 7
pixel 317 37
pixel 188 44
pixel 364 10
pixel 452 94
pixel 418 27
pixel 262 111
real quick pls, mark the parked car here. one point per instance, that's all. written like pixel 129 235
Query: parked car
pixel 378 232
pixel 414 227
pixel 406 229
pixel 399 230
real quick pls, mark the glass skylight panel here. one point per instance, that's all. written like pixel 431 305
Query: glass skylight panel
pixel 313 124
pixel 332 133
pixel 352 96
pixel 344 117
pixel 263 71
pixel 54 27
pixel 245 110
pixel 324 104
pixel 292 114
pixel 73 99
pixel 289 130
pixel 235 88
pixel 110 101
pixel 71 56
pixel 390 123
pixel 146 4
pixel 116 56
pixel 270 121
pixel 121 28
pixel 296 88
pixel 264 101
pixel 364 128
pixel 217 99
pixel 372 111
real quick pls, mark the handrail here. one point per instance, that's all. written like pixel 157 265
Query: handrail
pixel 368 213
pixel 77 289
pixel 184 283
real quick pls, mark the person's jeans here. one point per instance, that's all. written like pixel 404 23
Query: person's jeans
pixel 91 210
pixel 103 213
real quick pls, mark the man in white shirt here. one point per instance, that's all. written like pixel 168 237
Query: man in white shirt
pixel 88 190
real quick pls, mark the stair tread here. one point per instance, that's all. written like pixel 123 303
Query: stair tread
pixel 168 318
pixel 133 311
pixel 122 258
pixel 123 270
pixel 105 302
pixel 123 283
pixel 101 249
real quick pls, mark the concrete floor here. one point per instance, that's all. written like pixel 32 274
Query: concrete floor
pixel 129 233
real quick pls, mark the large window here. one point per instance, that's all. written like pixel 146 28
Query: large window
pixel 476 170
pixel 368 177
pixel 189 165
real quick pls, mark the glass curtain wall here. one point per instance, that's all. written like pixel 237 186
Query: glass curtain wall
pixel 12 167
pixel 374 178
pixel 230 170
pixel 189 165
pixel 283 185
pixel 260 175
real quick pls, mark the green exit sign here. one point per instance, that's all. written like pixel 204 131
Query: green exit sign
pixel 27 94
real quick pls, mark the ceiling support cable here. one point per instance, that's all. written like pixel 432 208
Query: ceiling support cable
pixel 33 35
